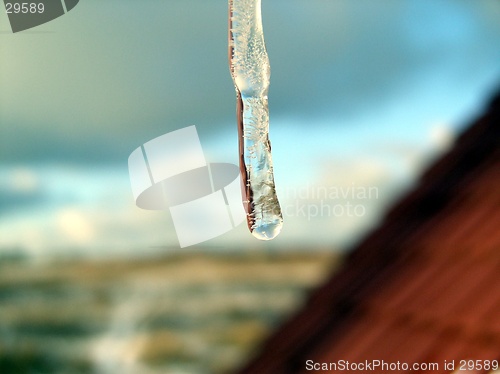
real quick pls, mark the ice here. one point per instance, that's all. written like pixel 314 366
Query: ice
pixel 251 71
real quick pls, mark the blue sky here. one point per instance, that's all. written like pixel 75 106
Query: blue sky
pixel 362 94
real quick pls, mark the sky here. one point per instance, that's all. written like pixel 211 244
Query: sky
pixel 363 96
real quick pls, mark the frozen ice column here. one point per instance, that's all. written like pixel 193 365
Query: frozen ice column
pixel 250 70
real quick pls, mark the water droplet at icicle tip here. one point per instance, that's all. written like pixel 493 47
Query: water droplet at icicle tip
pixel 250 71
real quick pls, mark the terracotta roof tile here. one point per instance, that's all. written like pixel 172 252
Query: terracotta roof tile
pixel 425 286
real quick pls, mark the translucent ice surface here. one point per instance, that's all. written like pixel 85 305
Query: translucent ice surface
pixel 250 70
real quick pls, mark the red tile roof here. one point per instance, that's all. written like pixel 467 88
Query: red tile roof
pixel 425 286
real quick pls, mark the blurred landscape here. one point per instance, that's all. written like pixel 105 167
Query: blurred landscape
pixel 364 95
pixel 183 313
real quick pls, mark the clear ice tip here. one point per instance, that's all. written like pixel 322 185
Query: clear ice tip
pixel 268 231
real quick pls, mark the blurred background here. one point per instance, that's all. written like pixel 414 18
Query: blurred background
pixel 363 96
